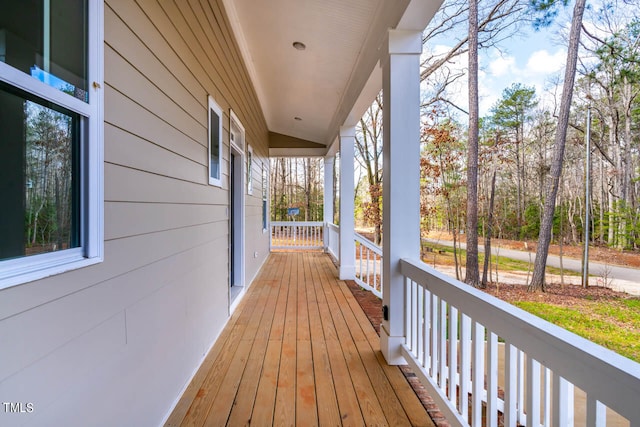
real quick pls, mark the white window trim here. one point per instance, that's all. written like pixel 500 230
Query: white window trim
pixel 216 108
pixel 235 121
pixel 27 269
pixel 249 170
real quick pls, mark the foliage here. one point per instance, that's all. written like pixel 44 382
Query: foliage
pixel 531 227
pixel 297 183
pixel 516 140
pixel 547 11
pixel 49 179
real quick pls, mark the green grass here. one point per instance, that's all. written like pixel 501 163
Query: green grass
pixel 503 263
pixel 614 324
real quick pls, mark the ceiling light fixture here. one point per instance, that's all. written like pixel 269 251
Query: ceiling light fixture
pixel 299 45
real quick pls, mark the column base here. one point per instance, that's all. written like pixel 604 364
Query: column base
pixel 390 347
pixel 347 272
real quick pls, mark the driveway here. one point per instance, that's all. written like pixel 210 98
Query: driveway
pixel 618 278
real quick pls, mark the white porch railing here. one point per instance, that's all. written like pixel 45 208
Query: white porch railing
pixel 452 343
pixel 297 235
pixel 368 265
pixel 333 240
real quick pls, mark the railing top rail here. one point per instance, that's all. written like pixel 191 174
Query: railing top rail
pixel 333 226
pixel 368 243
pixel 297 223
pixel 607 376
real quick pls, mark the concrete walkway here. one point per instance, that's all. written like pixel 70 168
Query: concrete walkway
pixel 618 278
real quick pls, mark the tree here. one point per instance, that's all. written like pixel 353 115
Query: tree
pixel 472 274
pixel 497 20
pixel 296 182
pixel 441 166
pixel 612 83
pixel 511 113
pixel 369 155
pixel 488 234
pixel 544 240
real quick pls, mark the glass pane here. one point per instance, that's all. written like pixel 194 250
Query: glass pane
pixel 38 176
pixel 47 39
pixel 214 163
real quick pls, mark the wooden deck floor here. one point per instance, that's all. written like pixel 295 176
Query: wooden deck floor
pixel 298 351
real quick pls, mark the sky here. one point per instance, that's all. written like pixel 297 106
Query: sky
pixel 533 59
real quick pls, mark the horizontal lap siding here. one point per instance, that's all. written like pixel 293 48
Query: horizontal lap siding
pixel 113 344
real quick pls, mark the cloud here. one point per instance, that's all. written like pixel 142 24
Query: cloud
pixel 502 65
pixel 531 62
pixel 542 62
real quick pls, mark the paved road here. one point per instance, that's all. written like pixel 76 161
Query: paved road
pixel 626 279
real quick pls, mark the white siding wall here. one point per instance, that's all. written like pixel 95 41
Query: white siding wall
pixel 114 344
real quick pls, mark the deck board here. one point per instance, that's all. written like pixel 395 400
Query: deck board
pixel 298 351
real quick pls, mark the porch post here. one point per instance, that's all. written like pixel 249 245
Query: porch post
pixel 401 187
pixel 328 199
pixel 347 244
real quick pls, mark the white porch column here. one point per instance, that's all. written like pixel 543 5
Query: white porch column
pixel 347 244
pixel 328 198
pixel 401 187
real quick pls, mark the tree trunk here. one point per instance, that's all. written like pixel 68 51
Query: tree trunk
pixel 472 276
pixel 487 238
pixel 538 279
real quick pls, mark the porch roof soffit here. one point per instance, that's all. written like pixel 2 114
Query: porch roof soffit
pixel 309 94
pixel 281 145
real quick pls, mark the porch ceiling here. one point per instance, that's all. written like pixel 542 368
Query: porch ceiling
pixel 308 94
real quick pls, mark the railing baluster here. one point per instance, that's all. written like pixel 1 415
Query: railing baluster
pixel 596 413
pixel 465 365
pixel 442 358
pixel 434 336
pixel 368 263
pixel 360 261
pixel 380 282
pixel 453 355
pixel 533 392
pixel 375 274
pixel 510 385
pixel 547 396
pixel 562 406
pixel 419 319
pixel 408 321
pixel 298 235
pixel 521 374
pixel 426 302
pixel 477 368
pixel 492 380
pixel 414 322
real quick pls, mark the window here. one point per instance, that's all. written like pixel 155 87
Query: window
pixel 249 169
pixel 215 143
pixel 51 138
pixel 236 131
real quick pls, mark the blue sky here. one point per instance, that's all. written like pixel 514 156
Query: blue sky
pixel 533 58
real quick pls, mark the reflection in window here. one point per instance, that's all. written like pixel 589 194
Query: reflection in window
pixel 47 39
pixel 38 176
pixel 215 143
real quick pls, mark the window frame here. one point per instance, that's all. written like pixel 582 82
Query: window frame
pixel 91 175
pixel 213 106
